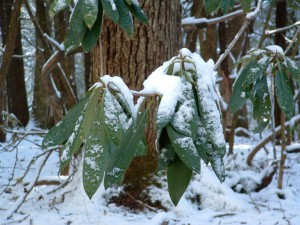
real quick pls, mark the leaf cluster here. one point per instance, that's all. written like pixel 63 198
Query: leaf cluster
pixel 254 83
pixel 110 132
pixel 87 15
pixel 192 132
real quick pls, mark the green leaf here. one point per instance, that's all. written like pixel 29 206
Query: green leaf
pixel 179 177
pixel 212 5
pixel 246 5
pixel 90 12
pixel 129 2
pixel 217 165
pixel 294 70
pixel 123 155
pixel 203 146
pixel 227 5
pixel 63 130
pixel 137 12
pixel 72 145
pixel 91 110
pixel 78 28
pixel 185 149
pixel 284 93
pixel 185 119
pixel 97 151
pixel 125 19
pixel 261 104
pixel 57 6
pixel 142 147
pixel 110 10
pixel 253 74
pixel 166 151
pixel 240 93
pixel 114 117
pixel 91 36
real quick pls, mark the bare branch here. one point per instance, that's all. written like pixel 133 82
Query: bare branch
pixel 249 18
pixel 270 137
pixel 24 195
pixel 270 32
pixel 293 41
pixel 59 47
pixel 192 23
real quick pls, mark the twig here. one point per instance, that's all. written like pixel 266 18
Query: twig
pixel 140 202
pixel 24 195
pixel 192 23
pixel 25 132
pixel 284 216
pixel 249 18
pixel 292 42
pixel 50 40
pixel 270 32
pixel 295 120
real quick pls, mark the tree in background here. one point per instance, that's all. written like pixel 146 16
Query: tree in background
pixel 13 92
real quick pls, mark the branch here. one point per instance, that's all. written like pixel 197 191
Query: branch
pixel 192 23
pixel 27 191
pixel 292 42
pixel 262 143
pixel 249 18
pixel 270 32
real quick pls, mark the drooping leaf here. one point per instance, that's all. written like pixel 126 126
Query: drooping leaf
pixel 78 28
pixel 97 151
pixel 125 19
pixel 91 110
pixel 253 74
pixel 261 104
pixel 123 155
pixel 294 70
pixel 166 151
pixel 284 93
pixel 217 165
pixel 63 130
pixel 227 5
pixel 72 145
pixel 212 5
pixel 110 10
pixel 114 117
pixel 57 6
pixel 179 176
pixel 90 12
pixel 202 143
pixel 137 12
pixel 142 147
pixel 91 36
pixel 246 5
pixel 185 149
pixel 240 93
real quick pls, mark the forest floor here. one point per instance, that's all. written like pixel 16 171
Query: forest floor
pixel 205 202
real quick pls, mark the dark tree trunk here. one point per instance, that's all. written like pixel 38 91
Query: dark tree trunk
pixel 134 60
pixel 281 21
pixel 11 70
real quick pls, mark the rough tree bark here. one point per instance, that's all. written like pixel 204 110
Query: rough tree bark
pixel 7 56
pixel 15 83
pixel 134 60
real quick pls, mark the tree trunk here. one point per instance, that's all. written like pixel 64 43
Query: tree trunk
pixel 281 21
pixel 46 106
pixel 134 60
pixel 11 18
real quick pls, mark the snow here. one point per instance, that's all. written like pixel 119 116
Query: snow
pixel 156 84
pixel 206 200
pixel 275 49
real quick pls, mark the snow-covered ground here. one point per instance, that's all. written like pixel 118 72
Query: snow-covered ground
pixel 205 202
